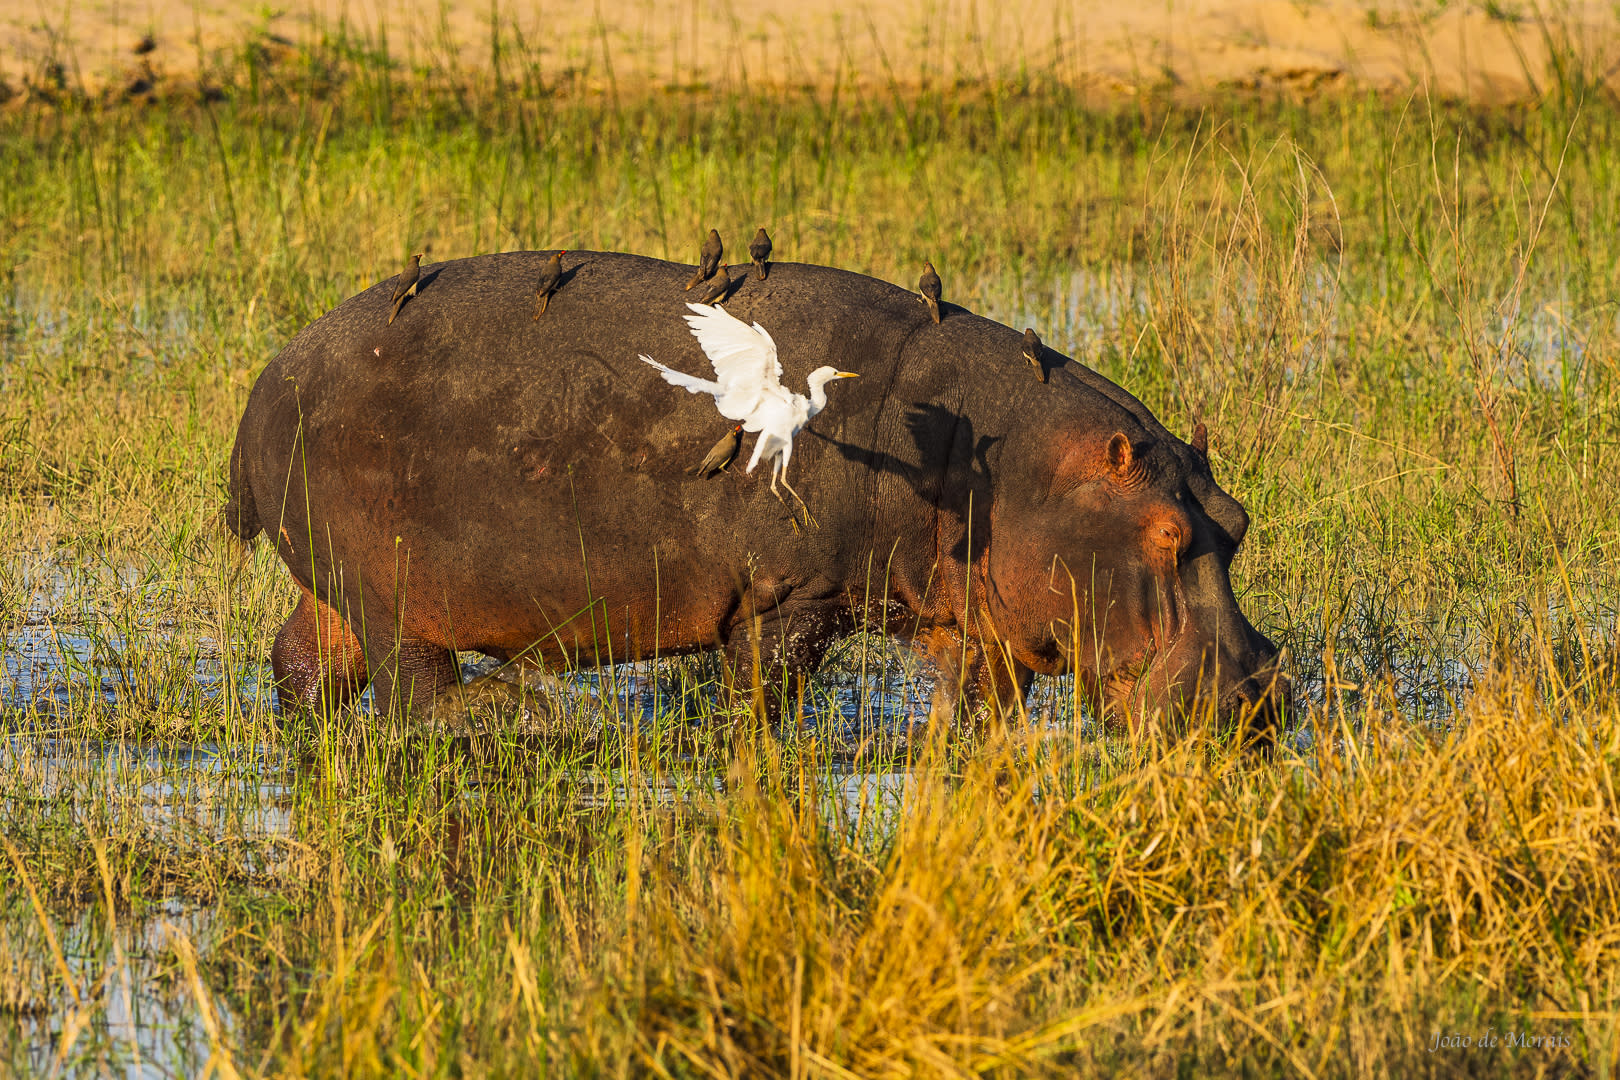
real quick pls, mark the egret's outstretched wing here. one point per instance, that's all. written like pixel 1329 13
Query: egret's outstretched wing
pixel 744 359
pixel 692 383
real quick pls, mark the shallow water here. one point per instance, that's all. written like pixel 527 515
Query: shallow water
pixel 867 690
pixel 125 1022
pixel 52 669
pixel 885 695
pixel 254 801
pixel 131 1012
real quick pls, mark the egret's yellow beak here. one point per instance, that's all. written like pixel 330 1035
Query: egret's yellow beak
pixel 847 375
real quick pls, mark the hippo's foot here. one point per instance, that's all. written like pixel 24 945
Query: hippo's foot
pixel 534 704
pixel 974 680
pixel 769 663
pixel 487 700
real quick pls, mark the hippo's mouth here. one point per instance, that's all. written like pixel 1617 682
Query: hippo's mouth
pixel 1121 687
pixel 1127 690
pixel 1125 687
pixel 1260 699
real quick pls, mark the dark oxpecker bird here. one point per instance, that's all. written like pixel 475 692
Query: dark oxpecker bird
pixel 759 249
pixel 718 288
pixel 405 284
pixel 550 277
pixel 929 286
pixel 721 455
pixel 708 260
pixel 1032 352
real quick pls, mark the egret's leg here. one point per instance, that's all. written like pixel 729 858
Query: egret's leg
pixel 809 518
pixel 792 515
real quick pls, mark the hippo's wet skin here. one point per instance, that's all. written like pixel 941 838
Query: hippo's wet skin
pixel 470 478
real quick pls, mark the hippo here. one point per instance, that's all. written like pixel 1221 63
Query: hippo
pixel 475 478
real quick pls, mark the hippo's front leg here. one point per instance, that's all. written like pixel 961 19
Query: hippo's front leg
pixel 317 661
pixel 971 676
pixel 777 652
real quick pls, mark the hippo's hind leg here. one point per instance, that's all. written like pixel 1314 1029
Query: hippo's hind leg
pixel 317 661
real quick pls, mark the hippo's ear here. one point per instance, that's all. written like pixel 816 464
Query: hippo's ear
pixel 1121 456
pixel 1078 462
pixel 1200 439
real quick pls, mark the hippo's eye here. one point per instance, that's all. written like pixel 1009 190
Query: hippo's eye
pixel 1167 535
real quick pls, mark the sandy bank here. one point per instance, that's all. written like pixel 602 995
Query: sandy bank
pixel 1493 52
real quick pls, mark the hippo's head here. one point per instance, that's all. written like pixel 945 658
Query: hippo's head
pixel 1110 559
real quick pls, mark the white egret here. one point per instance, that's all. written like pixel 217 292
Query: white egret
pixel 747 386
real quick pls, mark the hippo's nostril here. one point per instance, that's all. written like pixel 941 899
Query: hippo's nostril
pixel 1260 702
pixel 1258 720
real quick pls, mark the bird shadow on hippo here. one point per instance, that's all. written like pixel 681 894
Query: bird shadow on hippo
pixel 471 478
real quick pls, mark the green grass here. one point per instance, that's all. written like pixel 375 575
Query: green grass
pixel 1397 318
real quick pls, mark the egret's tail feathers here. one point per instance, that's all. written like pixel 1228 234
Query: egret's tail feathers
pixel 691 383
